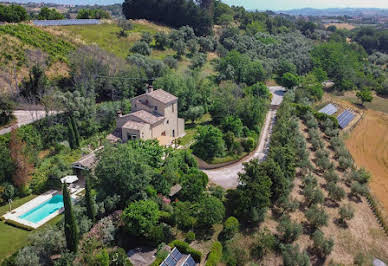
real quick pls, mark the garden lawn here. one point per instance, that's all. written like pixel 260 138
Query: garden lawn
pixel 12 238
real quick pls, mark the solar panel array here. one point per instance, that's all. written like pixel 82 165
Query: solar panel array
pixel 66 22
pixel 329 109
pixel 189 262
pixel 345 118
pixel 172 258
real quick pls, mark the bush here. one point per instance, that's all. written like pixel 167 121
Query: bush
pixel 336 193
pixel 362 176
pixel 141 47
pixel 289 231
pixel 190 237
pixel 215 254
pixel 346 212
pixel 322 246
pixel 248 144
pixel 266 242
pixel 293 257
pixel 183 247
pixel 358 189
pixel 316 216
pixel 231 227
pixel 171 62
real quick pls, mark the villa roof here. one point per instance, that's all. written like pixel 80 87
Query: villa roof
pixel 134 125
pixel 87 162
pixel 162 96
pixel 147 117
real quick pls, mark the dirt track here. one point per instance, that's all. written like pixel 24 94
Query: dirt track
pixel 368 143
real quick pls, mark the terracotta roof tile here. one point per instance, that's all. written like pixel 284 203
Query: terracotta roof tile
pixel 134 125
pixel 147 117
pixel 162 96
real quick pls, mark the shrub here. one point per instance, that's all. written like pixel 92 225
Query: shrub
pixel 362 176
pixel 248 144
pixel 313 195
pixel 293 257
pixel 358 189
pixel 231 227
pixel 336 193
pixel 183 247
pixel 289 231
pixel 345 163
pixel 171 62
pixel 190 237
pixel 266 242
pixel 215 254
pixel 322 246
pixel 331 176
pixel 141 47
pixel 316 216
pixel 346 212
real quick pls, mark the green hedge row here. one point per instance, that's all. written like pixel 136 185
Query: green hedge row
pixel 377 212
pixel 183 247
pixel 215 254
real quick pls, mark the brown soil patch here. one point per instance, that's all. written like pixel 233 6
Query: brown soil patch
pixel 368 143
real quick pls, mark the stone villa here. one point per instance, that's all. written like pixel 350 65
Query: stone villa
pixel 154 115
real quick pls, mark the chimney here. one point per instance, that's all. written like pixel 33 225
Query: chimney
pixel 149 89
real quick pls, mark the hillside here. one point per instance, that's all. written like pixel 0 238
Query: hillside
pixel 23 45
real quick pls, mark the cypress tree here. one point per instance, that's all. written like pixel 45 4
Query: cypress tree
pixel 71 135
pixel 90 204
pixel 71 228
pixel 76 133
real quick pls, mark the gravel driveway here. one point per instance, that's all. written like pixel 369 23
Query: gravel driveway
pixel 227 177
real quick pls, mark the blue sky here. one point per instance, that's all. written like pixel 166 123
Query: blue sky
pixel 293 4
pixel 253 4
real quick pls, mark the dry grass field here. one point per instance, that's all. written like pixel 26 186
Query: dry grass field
pixel 368 143
pixel 341 26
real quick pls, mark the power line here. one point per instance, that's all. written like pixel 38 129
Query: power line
pixel 126 78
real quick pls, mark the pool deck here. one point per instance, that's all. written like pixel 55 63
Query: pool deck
pixel 12 217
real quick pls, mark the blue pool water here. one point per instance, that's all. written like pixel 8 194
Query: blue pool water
pixel 43 210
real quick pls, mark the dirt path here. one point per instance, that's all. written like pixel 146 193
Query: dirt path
pixel 227 177
pixel 24 118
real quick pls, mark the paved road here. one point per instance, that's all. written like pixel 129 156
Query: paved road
pixel 227 177
pixel 24 118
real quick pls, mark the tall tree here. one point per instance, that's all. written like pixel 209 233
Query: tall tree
pixel 75 130
pixel 71 228
pixel 71 134
pixel 254 192
pixel 23 168
pixel 90 203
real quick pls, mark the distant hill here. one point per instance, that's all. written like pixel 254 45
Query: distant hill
pixel 337 12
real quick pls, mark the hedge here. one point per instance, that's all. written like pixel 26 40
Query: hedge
pixel 183 247
pixel 215 254
pixel 377 212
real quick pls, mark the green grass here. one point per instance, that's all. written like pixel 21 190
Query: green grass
pixel 13 238
pixel 378 104
pixel 106 37
pixel 228 158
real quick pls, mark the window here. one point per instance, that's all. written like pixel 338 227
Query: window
pixel 173 133
pixel 156 108
pixel 167 122
pixel 173 108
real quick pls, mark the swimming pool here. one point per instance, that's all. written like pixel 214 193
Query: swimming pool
pixel 43 210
